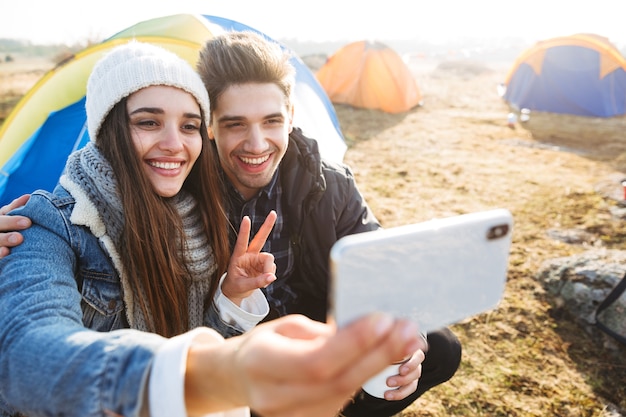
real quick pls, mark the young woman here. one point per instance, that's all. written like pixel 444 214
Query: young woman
pixel 129 250
pixel 134 237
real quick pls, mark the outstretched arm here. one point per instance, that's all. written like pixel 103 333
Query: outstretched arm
pixel 9 237
pixel 294 366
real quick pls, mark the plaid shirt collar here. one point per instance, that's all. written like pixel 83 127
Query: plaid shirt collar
pixel 270 195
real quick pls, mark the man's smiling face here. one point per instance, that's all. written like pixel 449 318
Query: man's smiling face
pixel 251 129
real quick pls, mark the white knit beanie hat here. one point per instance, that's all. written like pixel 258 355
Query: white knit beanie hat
pixel 131 67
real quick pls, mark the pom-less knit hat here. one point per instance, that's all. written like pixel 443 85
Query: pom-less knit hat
pixel 131 67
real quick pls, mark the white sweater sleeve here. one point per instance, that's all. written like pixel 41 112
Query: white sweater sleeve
pixel 166 387
pixel 253 309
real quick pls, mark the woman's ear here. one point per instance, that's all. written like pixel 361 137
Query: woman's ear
pixel 210 133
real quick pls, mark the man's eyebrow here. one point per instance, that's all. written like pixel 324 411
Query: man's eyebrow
pixel 274 115
pixel 228 118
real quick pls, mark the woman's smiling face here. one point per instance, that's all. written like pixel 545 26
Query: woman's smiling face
pixel 165 124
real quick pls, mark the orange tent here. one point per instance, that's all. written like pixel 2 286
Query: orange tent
pixel 369 75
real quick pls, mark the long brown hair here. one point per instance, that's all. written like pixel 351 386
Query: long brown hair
pixel 153 233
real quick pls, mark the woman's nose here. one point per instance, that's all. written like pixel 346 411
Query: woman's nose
pixel 171 139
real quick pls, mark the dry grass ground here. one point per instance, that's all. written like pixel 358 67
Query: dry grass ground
pixel 456 155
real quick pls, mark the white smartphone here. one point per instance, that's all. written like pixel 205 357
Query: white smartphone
pixel 435 273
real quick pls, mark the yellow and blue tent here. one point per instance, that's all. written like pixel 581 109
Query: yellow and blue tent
pixel 49 122
pixel 581 75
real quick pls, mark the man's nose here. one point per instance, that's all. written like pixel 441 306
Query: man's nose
pixel 255 142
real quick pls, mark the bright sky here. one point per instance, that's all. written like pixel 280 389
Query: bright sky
pixel 76 21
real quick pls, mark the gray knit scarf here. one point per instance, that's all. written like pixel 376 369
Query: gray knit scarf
pixel 88 176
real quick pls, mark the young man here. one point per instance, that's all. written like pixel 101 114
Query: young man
pixel 270 165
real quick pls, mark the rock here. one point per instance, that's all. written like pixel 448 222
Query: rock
pixel 581 282
pixel 572 236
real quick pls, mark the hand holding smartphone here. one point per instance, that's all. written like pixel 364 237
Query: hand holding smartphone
pixel 434 273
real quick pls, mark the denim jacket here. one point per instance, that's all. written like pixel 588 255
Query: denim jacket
pixel 63 322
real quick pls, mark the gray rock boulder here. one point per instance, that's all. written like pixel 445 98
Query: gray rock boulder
pixel 579 283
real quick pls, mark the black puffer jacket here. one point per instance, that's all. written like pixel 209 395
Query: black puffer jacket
pixel 323 204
